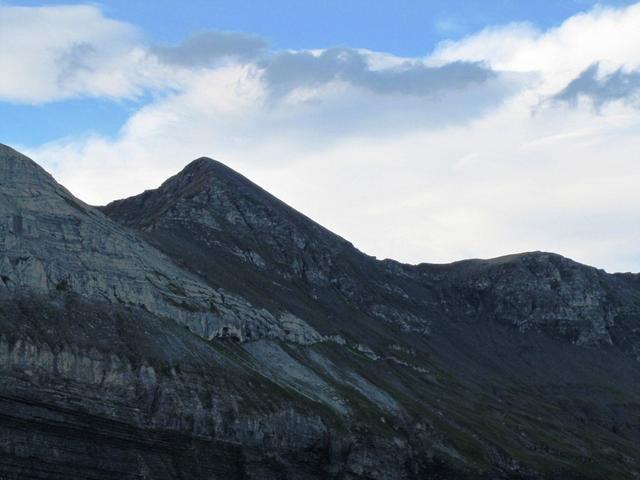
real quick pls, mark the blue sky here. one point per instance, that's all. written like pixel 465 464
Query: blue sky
pixel 450 129
pixel 402 27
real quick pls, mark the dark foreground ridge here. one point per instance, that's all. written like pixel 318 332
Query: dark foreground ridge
pixel 206 330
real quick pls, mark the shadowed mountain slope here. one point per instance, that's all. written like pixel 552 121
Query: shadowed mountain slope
pixel 220 225
pixel 207 330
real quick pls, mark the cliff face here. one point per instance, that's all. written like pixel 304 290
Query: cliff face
pixel 207 330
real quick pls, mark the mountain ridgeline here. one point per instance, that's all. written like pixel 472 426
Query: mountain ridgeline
pixel 207 330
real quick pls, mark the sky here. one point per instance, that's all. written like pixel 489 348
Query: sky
pixel 424 131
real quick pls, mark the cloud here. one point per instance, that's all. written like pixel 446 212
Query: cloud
pixel 607 35
pixel 290 70
pixel 74 60
pixel 205 48
pixel 619 85
pixel 54 53
pixel 228 113
pixel 287 71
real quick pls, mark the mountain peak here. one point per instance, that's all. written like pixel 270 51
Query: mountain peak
pixel 206 169
pixel 198 179
pixel 203 165
pixel 198 176
pixel 204 162
pixel 206 185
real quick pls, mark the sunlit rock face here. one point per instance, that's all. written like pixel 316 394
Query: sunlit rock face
pixel 52 241
pixel 207 330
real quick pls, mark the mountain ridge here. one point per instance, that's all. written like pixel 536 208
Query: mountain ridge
pixel 203 211
pixel 244 340
pixel 208 165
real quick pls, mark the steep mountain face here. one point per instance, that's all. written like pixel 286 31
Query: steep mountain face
pixel 234 234
pixel 52 241
pixel 221 226
pixel 207 330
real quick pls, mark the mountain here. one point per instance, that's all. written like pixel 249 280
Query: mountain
pixel 205 330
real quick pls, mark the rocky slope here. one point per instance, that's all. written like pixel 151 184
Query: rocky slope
pixel 226 229
pixel 207 330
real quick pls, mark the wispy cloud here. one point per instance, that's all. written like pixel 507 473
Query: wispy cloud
pixel 617 86
pixel 287 71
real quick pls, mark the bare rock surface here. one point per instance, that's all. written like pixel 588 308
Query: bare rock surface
pixel 52 241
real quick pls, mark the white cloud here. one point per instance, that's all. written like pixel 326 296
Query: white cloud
pixel 53 53
pixel 508 182
pixel 606 35
pixel 479 171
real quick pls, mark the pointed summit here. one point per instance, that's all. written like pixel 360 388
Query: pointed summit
pixel 200 181
pixel 204 170
pixel 210 194
pixel 205 164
